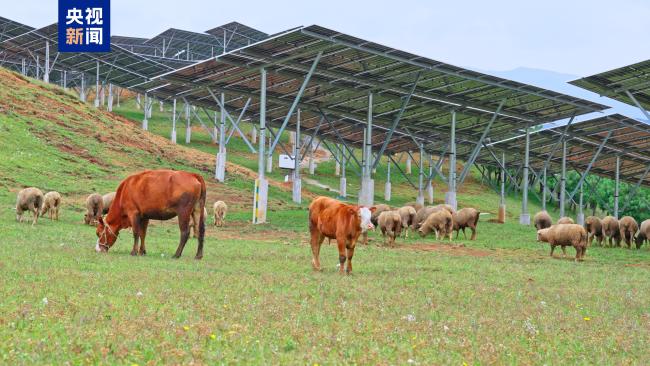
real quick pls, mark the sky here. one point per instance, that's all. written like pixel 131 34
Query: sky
pixel 575 37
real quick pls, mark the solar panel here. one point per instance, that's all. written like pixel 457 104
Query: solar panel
pixel 235 35
pixel 10 28
pixel 629 139
pixel 178 43
pixel 613 84
pixel 350 68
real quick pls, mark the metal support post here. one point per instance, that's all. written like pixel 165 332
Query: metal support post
pixel 46 71
pixel 343 181
pixel 145 121
pixel 366 196
pixel 387 187
pixel 617 184
pixel 297 181
pixel 430 181
pixel 188 124
pixel 450 196
pixel 97 86
pixel 420 197
pixel 563 181
pixel 173 136
pixel 220 171
pixel 110 97
pixel 580 219
pixel 261 184
pixel 524 218
pixel 501 217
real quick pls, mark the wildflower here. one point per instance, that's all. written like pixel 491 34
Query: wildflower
pixel 213 336
pixel 45 301
pixel 186 328
pixel 586 318
pixel 138 294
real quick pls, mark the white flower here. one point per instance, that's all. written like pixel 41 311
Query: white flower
pixel 45 301
pixel 139 294
pixel 409 318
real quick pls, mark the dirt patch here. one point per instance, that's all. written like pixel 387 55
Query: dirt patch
pixel 453 249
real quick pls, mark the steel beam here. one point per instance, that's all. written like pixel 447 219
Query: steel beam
pixel 563 181
pixel 260 195
pixel 524 219
pixel 450 196
pixel 617 184
pixel 591 163
pixel 636 102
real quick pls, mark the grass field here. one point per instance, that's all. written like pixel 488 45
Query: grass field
pixel 254 299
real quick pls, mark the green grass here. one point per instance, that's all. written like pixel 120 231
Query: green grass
pixel 254 299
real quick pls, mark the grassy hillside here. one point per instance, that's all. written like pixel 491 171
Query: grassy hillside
pixel 254 299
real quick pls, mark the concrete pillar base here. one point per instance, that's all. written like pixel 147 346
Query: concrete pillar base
pixel 524 219
pixel 387 191
pixel 420 198
pixel 343 187
pixel 260 199
pixel 254 136
pixel 367 193
pixel 188 134
pixel 296 191
pixel 430 193
pixel 220 171
pixel 337 169
pixel 501 218
pixel 450 199
pixel 580 219
pixel 145 124
pixel 312 166
pixel 269 164
pixel 408 165
pixel 215 135
pixel 173 137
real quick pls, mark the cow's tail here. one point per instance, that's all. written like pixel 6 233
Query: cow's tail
pixel 202 199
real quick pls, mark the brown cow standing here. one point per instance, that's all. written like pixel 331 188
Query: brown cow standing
pixel 154 195
pixel 329 218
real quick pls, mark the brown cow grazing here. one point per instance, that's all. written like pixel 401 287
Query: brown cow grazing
pixel 466 218
pixel 390 223
pixel 565 220
pixel 51 204
pixel 643 235
pixel 154 195
pixel 94 209
pixel 407 213
pixel 441 222
pixel 565 235
pixel 107 200
pixel 542 220
pixel 628 227
pixel 29 199
pixel 610 230
pixel 329 218
pixel 594 229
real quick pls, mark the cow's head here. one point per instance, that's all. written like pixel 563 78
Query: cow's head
pixel 106 236
pixel 365 214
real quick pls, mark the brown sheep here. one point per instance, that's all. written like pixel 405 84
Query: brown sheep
pixel 565 235
pixel 439 221
pixel 407 213
pixel 610 230
pixel 29 199
pixel 628 227
pixel 219 210
pixel 466 218
pixel 415 205
pixel 94 209
pixel 446 207
pixel 422 215
pixel 643 235
pixel 373 218
pixel 565 220
pixel 51 204
pixel 542 220
pixel 107 200
pixel 390 224
pixel 594 229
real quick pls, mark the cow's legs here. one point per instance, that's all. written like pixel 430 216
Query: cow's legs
pixel 184 225
pixel 349 254
pixel 136 226
pixel 316 241
pixel 340 243
pixel 144 223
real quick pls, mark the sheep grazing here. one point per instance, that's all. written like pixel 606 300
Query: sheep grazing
pixel 51 204
pixel 390 224
pixel 594 229
pixel 421 215
pixel 195 219
pixel 627 227
pixel 439 221
pixel 378 210
pixel 610 230
pixel 29 199
pixel 407 213
pixel 107 200
pixel 220 208
pixel 565 235
pixel 643 235
pixel 542 220
pixel 94 209
pixel 445 207
pixel 415 205
pixel 466 218
pixel 565 220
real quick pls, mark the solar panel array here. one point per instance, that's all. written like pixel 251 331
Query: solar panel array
pixel 613 84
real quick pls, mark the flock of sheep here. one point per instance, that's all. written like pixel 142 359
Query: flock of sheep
pixel 567 233
pixel 38 204
pixel 443 220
